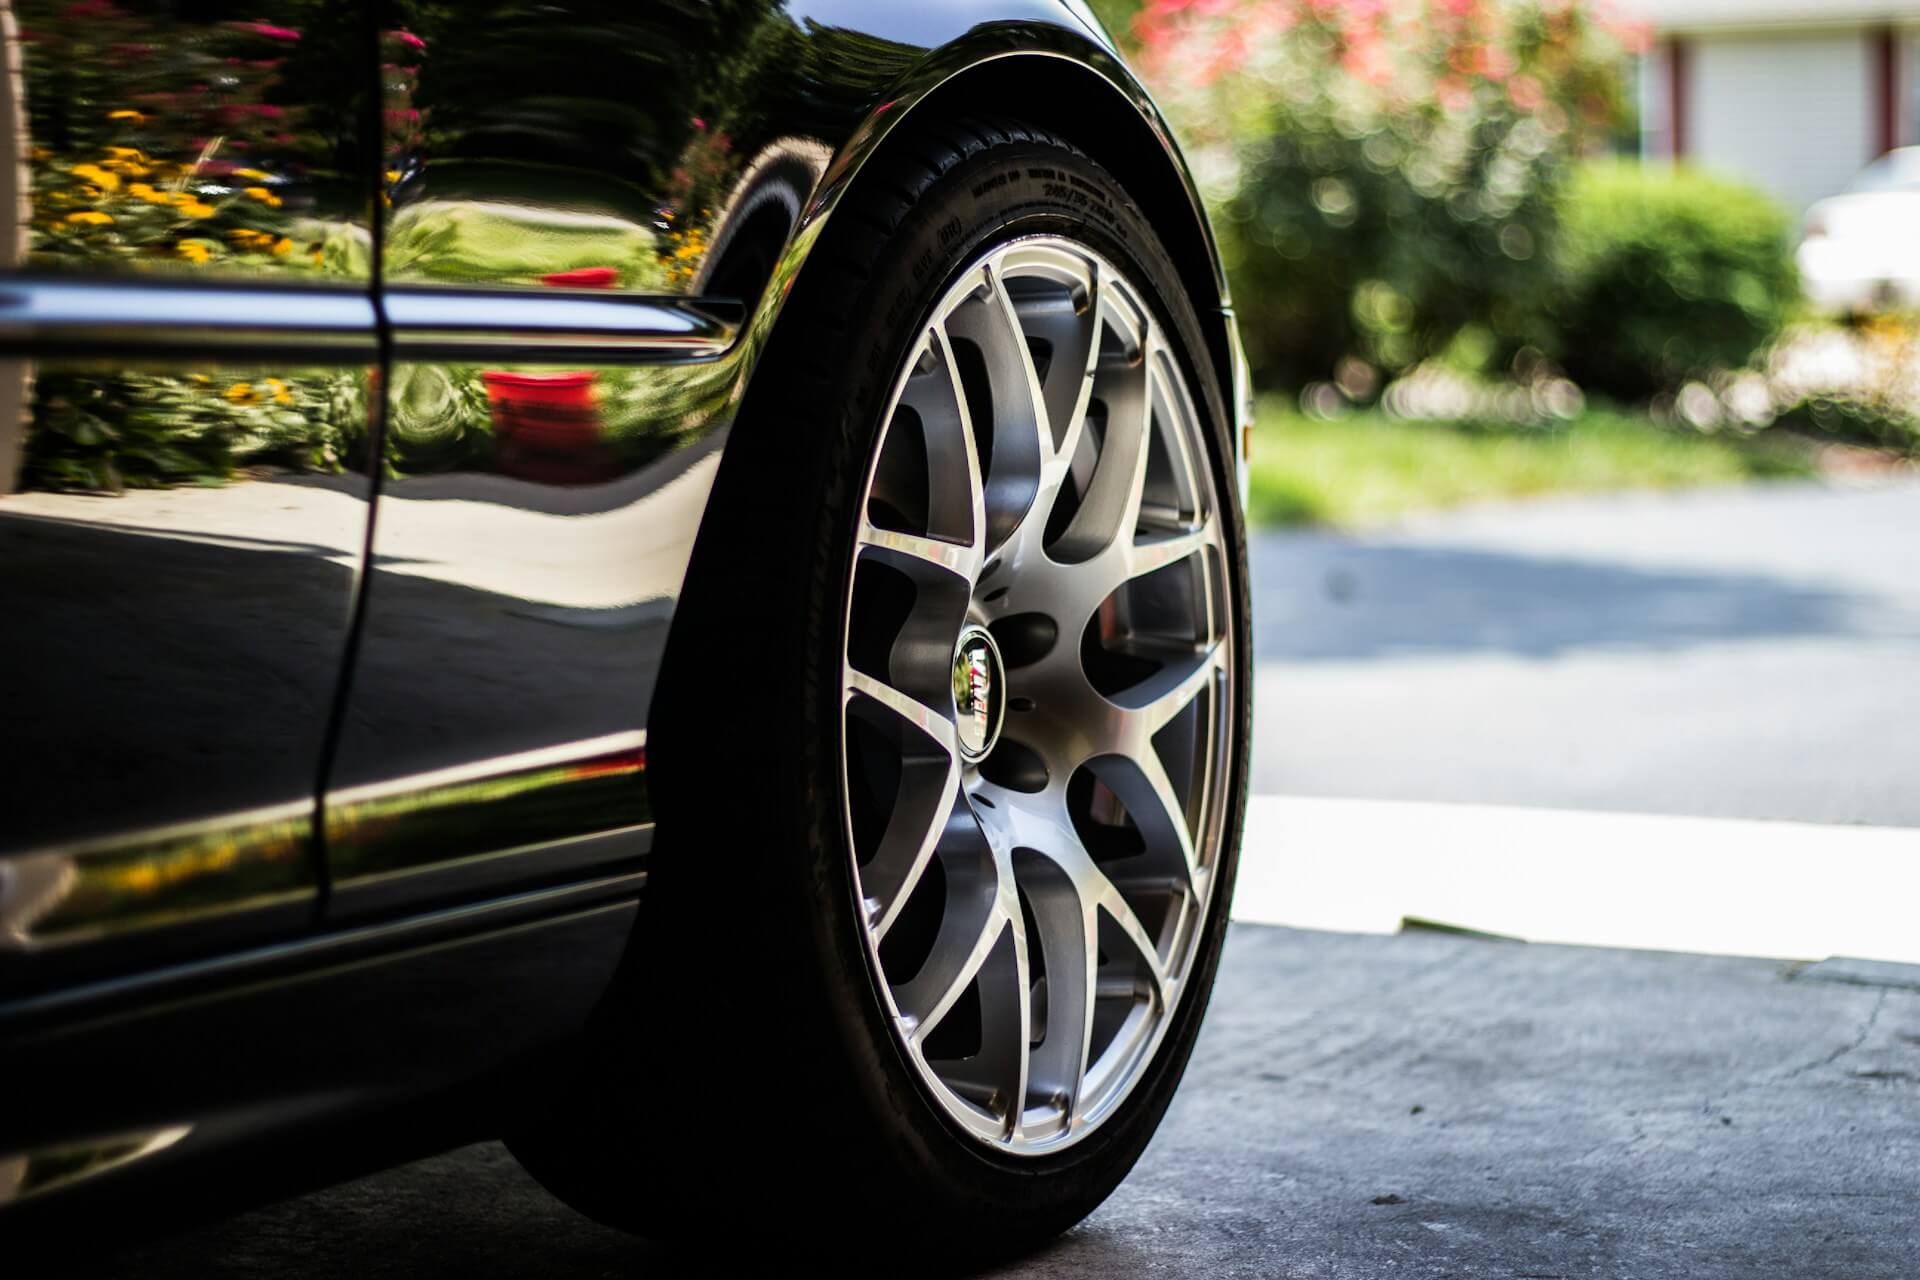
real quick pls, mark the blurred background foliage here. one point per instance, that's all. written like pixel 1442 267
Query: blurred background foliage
pixel 1455 284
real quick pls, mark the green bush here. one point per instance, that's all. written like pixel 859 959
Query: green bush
pixel 1383 171
pixel 1657 275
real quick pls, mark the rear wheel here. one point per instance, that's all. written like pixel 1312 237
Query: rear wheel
pixel 950 753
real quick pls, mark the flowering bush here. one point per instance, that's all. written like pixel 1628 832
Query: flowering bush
pixel 166 142
pixel 1384 169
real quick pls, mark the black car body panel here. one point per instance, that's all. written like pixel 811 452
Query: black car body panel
pixel 411 337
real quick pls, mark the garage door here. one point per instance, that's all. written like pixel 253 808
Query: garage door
pixel 1791 114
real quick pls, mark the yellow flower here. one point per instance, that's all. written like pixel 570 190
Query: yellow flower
pixel 126 153
pixel 195 250
pixel 199 379
pixel 97 176
pixel 393 176
pixel 264 196
pixel 318 257
pixel 90 218
pixel 242 393
pixel 280 393
pixel 256 174
pixel 193 208
pixel 282 247
pixel 134 116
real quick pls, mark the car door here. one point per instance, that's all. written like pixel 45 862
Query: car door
pixel 188 350
pixel 581 200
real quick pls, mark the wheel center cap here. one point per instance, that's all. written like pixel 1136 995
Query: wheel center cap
pixel 979 692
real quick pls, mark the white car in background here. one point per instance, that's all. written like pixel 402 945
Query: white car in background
pixel 1860 250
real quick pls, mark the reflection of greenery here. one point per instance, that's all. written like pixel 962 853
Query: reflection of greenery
pixel 440 419
pixel 114 431
pixel 499 243
pixel 164 140
pixel 1370 467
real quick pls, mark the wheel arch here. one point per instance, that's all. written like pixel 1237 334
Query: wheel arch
pixel 1074 87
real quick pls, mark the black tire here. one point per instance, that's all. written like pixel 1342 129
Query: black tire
pixel 744 1076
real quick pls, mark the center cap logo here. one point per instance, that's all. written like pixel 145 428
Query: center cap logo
pixel 979 696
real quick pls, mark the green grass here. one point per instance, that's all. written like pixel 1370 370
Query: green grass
pixel 1369 467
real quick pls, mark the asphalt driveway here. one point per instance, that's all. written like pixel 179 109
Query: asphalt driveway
pixel 1747 653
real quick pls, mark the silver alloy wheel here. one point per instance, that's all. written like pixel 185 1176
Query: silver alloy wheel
pixel 1036 861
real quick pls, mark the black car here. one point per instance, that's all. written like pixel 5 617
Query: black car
pixel 662 580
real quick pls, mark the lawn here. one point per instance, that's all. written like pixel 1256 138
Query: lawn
pixel 1369 467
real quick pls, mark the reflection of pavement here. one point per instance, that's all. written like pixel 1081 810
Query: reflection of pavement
pixel 1357 1108
pixel 1737 653
pixel 626 542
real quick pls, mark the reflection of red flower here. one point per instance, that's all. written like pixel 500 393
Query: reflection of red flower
pixel 583 278
pixel 408 39
pixel 268 30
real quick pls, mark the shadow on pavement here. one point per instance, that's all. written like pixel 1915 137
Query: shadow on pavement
pixel 1326 598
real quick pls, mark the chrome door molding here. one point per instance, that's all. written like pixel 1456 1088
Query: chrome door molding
pixel 314 324
pixel 434 323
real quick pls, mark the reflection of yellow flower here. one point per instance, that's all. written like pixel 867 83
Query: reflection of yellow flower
pixel 90 218
pixel 242 393
pixel 134 116
pixel 282 247
pixel 195 250
pixel 97 176
pixel 264 196
pixel 280 393
pixel 258 175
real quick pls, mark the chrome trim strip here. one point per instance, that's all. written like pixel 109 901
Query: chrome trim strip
pixel 60 897
pixel 566 753
pixel 264 963
pixel 339 324
pixel 431 323
pixel 480 824
pixel 316 324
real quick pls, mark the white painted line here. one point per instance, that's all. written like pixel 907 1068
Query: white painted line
pixel 1712 885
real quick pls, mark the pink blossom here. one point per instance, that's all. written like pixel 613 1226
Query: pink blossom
pixel 268 30
pixel 409 39
pixel 1525 92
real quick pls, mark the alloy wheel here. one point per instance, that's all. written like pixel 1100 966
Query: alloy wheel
pixel 1037 695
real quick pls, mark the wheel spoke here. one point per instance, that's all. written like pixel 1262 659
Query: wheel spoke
pixel 986 322
pixel 1143 558
pixel 1110 506
pixel 922 814
pixel 911 550
pixel 1122 913
pixel 1157 700
pixel 929 722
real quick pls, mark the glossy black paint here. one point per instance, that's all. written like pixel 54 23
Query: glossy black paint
pixel 429 648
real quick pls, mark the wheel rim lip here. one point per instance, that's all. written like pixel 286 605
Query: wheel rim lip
pixel 1110 1079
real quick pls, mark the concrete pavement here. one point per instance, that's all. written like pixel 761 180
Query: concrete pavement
pixel 1363 1107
